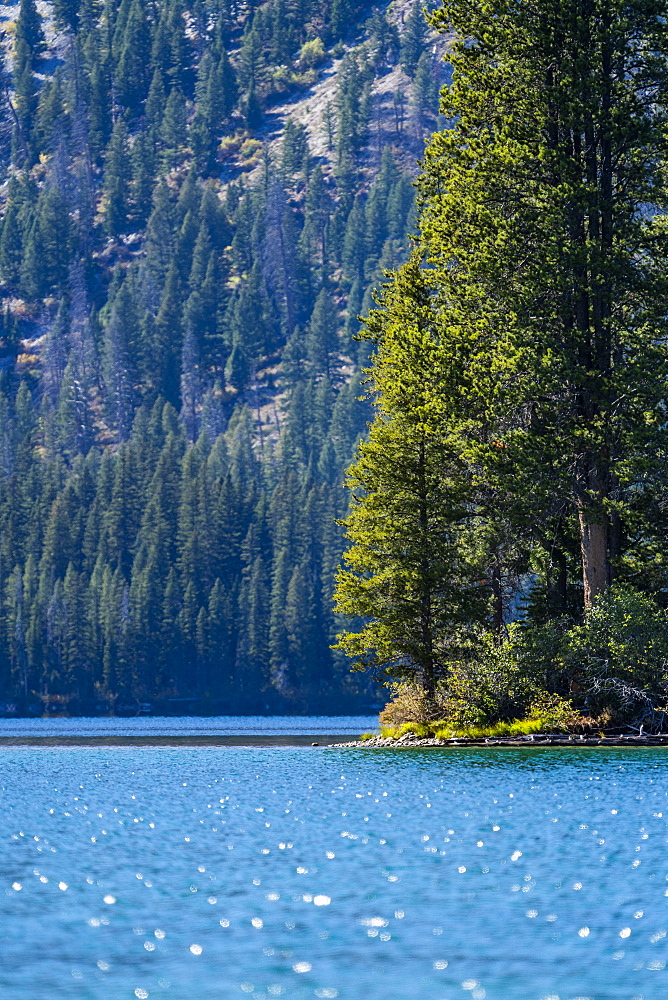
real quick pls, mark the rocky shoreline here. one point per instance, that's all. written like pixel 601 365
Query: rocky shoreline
pixel 410 741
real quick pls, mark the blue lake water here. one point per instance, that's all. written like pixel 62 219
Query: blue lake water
pixel 195 872
pixel 222 727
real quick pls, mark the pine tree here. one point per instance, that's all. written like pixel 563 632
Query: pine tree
pixel 225 84
pixel 143 175
pixel 191 392
pixel 180 47
pixel 99 111
pixel 407 576
pixel 413 38
pixel 253 110
pixel 9 332
pixel 174 127
pixel 251 61
pixel 47 246
pixel 567 271
pixel 26 99
pixel 11 237
pixel 252 654
pixel 74 418
pixel 340 18
pixel 120 361
pixel 156 100
pixel 215 98
pixel 29 27
pixel 329 124
pixel 66 14
pixel 354 244
pixel 237 368
pixel 279 252
pixel 132 46
pixel 55 354
pixel 385 39
pixel 160 236
pixel 295 147
pixel 169 337
pixel 52 119
pixel 323 342
pixel 116 181
pixel 424 97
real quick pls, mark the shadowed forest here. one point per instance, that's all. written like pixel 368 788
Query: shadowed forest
pixel 196 201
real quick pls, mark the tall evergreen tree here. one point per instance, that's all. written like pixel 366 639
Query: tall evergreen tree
pixel 66 14
pixel 117 179
pixel 407 576
pixel 323 342
pixel 120 361
pixel 561 330
pixel 132 45
pixel 413 38
pixel 29 27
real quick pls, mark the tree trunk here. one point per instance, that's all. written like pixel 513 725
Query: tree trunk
pixel 595 559
pixel 428 665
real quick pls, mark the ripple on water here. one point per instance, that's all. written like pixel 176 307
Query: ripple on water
pixel 137 872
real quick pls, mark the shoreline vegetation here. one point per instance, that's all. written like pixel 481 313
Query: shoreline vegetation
pixel 506 576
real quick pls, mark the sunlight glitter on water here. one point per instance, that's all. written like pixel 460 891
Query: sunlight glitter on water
pixel 300 873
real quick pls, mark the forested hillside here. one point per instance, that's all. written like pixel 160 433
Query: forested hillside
pixel 196 201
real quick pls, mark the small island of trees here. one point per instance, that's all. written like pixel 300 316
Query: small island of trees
pixel 507 560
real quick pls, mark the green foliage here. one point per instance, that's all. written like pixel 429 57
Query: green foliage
pixel 618 657
pixel 66 14
pixel 413 38
pixel 544 713
pixel 312 53
pixel 425 95
pixel 495 682
pixel 520 368
pixel 384 38
pixel 340 18
pixel 253 109
pixel 614 666
pixel 506 185
pixel 29 27
pixel 117 181
pixel 625 634
pixel 410 704
pixel 407 573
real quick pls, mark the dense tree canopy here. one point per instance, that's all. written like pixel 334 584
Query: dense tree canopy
pixel 539 307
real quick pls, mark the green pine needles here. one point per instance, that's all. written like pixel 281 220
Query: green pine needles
pixel 518 453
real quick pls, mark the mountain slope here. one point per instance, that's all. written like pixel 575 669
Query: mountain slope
pixel 195 206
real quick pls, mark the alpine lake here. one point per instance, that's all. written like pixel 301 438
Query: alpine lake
pixel 212 859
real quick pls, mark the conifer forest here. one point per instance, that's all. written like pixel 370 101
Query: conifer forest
pixel 253 254
pixel 197 200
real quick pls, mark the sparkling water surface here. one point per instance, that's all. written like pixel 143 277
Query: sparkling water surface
pixel 230 872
